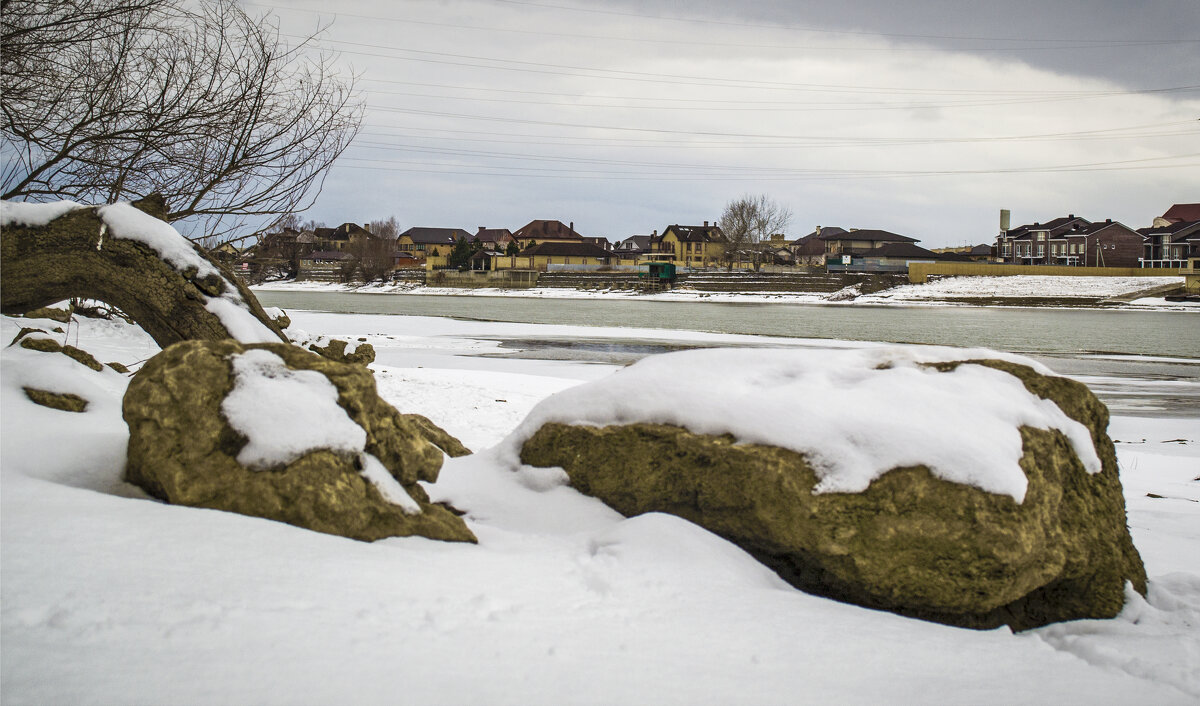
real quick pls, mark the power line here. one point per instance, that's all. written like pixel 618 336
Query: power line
pixel 1037 45
pixel 452 59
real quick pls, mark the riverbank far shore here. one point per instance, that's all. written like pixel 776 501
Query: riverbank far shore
pixel 1137 293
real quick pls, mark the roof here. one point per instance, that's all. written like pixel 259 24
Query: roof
pixel 1172 229
pixel 436 236
pixel 547 229
pixel 818 232
pixel 694 234
pixel 869 235
pixel 342 232
pixel 634 242
pixel 1096 228
pixel 492 235
pixel 1054 227
pixel 1183 212
pixel 566 249
pixel 980 250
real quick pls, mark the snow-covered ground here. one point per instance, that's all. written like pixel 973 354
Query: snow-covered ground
pixel 109 597
pixel 947 291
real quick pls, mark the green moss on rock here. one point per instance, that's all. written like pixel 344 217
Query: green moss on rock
pixel 66 402
pixel 911 543
pixel 183 451
pixel 363 354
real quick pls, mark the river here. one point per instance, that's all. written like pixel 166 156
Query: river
pixel 1138 362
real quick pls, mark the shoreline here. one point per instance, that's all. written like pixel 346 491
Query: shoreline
pixel 1020 291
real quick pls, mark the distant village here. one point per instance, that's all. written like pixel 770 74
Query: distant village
pixel 352 252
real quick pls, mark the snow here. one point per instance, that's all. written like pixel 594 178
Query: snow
pixel 284 414
pixel 110 597
pixel 1025 286
pixel 948 291
pixel 840 409
pixel 34 215
pixel 126 222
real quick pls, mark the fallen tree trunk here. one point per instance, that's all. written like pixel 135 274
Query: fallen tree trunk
pixel 131 260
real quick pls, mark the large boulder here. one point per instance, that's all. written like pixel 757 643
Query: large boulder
pixel 918 539
pixel 274 431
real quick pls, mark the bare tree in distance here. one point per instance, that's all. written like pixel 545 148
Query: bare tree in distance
pixel 747 222
pixel 109 100
pixel 388 229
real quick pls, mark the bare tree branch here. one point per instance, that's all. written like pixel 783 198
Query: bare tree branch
pixel 108 100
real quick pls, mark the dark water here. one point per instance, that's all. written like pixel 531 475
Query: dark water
pixel 1139 362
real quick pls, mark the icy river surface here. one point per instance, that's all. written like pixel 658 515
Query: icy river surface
pixel 1138 362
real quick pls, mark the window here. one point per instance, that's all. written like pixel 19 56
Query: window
pixel 1041 250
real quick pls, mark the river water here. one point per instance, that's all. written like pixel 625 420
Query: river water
pixel 1138 362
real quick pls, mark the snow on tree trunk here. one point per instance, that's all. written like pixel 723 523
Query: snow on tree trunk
pixel 124 255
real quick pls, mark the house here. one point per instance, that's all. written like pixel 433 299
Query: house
pixel 1030 244
pixel 543 255
pixel 424 242
pixel 535 232
pixel 342 237
pixel 599 241
pixel 1179 213
pixel 810 249
pixel 1107 244
pixel 860 240
pixel 1170 245
pixel 324 265
pixel 888 257
pixel 634 245
pixel 493 239
pixel 689 246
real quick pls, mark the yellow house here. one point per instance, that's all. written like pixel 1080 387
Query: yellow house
pixel 430 241
pixel 538 232
pixel 542 255
pixel 689 246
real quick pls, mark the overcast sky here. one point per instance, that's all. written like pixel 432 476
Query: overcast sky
pixel 623 117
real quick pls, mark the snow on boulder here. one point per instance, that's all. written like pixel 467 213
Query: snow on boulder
pixel 274 431
pixel 963 486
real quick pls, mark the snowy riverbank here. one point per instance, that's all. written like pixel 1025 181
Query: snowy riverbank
pixel 1018 290
pixel 109 597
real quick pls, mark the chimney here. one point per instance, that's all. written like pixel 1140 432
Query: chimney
pixel 706 224
pixel 367 227
pixel 654 234
pixel 1070 215
pixel 1005 220
pixel 1108 220
pixel 572 226
pixel 481 229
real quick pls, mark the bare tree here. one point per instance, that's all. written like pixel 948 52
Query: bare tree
pixel 388 229
pixel 747 222
pixel 108 100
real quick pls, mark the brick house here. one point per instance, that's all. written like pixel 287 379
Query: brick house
pixel 1030 244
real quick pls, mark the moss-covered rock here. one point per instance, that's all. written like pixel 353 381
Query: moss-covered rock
pixel 119 367
pixel 64 401
pixel 335 349
pixel 83 357
pixel 911 543
pixel 60 315
pixel 184 451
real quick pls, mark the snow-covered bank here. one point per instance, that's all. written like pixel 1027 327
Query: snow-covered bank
pixel 949 291
pixel 109 597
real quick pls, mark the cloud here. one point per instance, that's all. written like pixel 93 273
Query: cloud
pixel 497 113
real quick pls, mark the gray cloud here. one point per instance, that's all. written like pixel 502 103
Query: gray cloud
pixel 1109 39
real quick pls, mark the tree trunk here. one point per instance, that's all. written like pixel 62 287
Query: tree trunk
pixel 70 257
